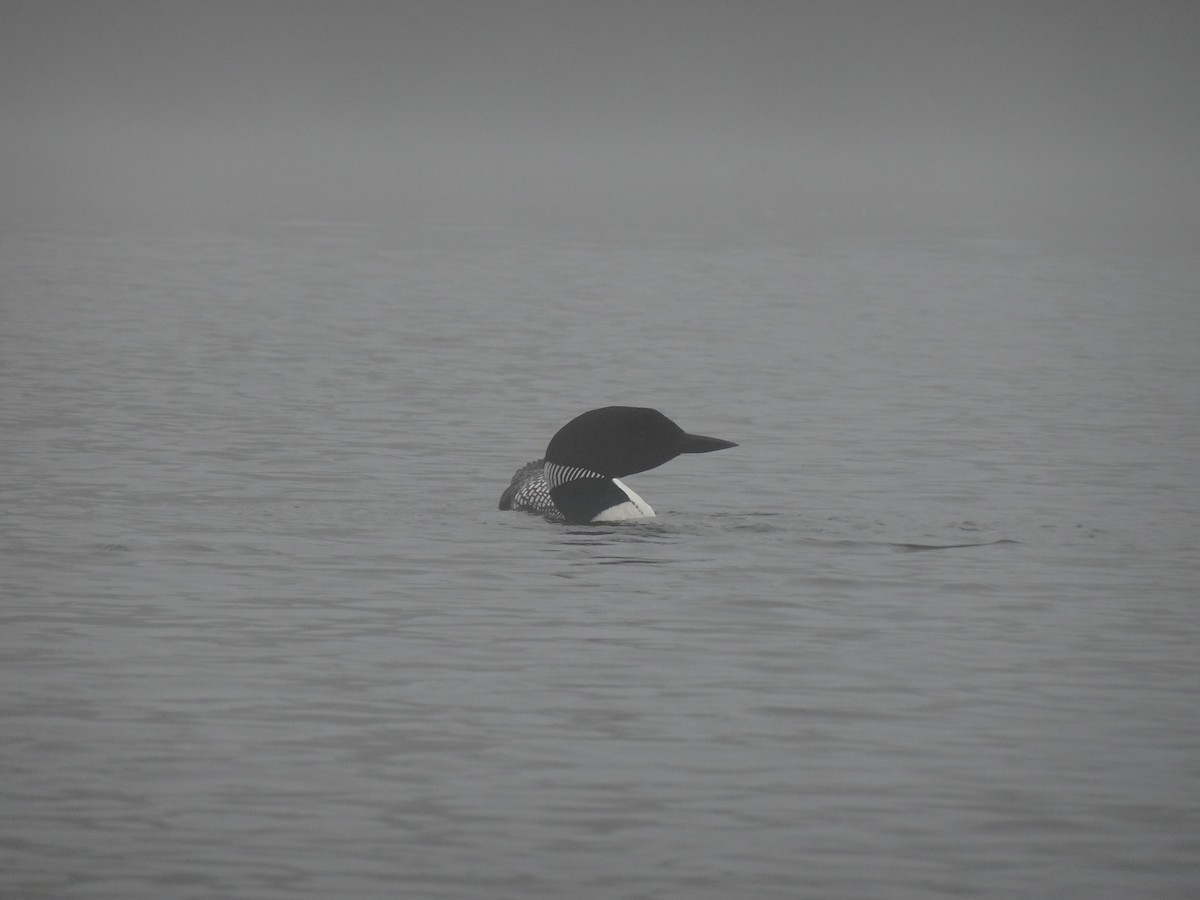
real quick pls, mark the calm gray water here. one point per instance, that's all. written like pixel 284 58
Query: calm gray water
pixel 265 634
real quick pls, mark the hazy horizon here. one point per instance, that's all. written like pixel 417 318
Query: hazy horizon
pixel 1003 115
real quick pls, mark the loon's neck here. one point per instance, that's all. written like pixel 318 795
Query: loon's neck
pixel 584 496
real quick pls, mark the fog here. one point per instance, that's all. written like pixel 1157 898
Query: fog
pixel 1004 117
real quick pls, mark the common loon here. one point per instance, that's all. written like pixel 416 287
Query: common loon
pixel 579 479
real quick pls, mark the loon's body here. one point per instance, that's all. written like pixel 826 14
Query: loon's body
pixel 578 481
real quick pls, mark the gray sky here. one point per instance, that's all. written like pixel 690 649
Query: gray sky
pixel 1004 112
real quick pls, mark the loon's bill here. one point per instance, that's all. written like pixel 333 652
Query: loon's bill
pixel 579 479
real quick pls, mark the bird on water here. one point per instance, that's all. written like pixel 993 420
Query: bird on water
pixel 579 479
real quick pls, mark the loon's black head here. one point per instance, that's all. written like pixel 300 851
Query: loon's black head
pixel 623 440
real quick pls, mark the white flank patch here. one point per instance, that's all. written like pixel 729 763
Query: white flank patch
pixel 633 508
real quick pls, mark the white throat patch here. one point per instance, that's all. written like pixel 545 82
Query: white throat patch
pixel 633 508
